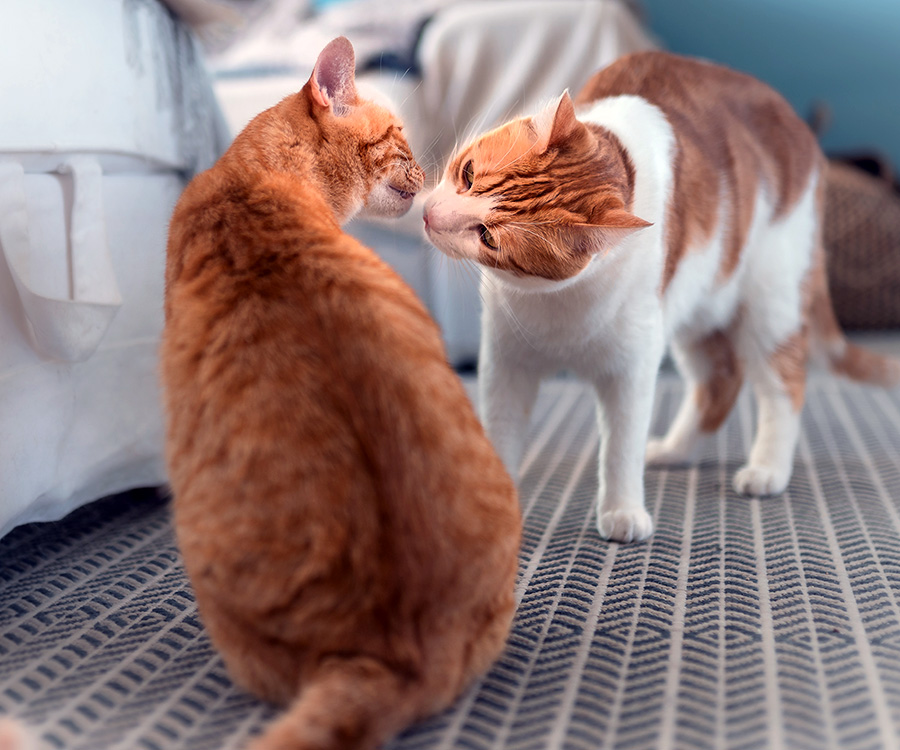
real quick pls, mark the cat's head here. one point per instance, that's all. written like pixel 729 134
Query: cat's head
pixel 536 198
pixel 356 148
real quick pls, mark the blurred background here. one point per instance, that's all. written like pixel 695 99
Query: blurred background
pixel 838 63
pixel 843 57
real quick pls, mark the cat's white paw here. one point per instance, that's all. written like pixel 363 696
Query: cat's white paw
pixel 760 481
pixel 625 525
pixel 659 452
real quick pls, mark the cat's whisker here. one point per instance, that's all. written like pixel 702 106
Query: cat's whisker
pixel 434 141
pixel 457 272
pixel 514 110
pixel 406 98
pixel 476 126
pixel 537 235
pixel 431 181
pixel 432 162
pixel 505 166
pixel 472 270
pixel 473 128
pixel 535 222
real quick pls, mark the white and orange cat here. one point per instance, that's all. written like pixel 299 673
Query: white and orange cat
pixel 674 202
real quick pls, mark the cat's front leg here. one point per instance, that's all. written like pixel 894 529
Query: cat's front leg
pixel 508 379
pixel 506 395
pixel 625 408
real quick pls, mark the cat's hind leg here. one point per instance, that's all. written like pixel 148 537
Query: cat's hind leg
pixel 713 378
pixel 779 384
pixel 773 340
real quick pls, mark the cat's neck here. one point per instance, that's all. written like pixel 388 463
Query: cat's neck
pixel 290 148
pixel 276 141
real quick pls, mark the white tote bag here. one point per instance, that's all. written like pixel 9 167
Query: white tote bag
pixel 107 112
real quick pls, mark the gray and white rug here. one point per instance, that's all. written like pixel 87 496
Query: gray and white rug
pixel 740 624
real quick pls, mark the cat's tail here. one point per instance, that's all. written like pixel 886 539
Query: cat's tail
pixel 863 365
pixel 830 347
pixel 352 704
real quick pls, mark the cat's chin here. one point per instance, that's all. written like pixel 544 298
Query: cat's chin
pixel 443 246
pixel 529 283
pixel 388 202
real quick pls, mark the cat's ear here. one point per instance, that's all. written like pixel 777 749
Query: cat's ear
pixel 333 83
pixel 614 227
pixel 557 123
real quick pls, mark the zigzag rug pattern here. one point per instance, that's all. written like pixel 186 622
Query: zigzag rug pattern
pixel 740 624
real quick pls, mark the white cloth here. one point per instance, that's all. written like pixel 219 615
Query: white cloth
pixel 109 110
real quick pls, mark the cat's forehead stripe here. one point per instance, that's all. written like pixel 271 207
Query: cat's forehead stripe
pixel 497 149
pixel 503 148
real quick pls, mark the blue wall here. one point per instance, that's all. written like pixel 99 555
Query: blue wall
pixel 845 53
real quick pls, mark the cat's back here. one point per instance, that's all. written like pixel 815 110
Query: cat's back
pixel 713 108
pixel 732 136
pixel 313 416
pixel 259 258
pixel 724 114
pixel 696 94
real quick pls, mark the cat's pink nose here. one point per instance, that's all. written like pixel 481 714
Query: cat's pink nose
pixel 436 218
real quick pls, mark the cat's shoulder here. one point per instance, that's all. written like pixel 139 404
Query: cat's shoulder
pixel 627 112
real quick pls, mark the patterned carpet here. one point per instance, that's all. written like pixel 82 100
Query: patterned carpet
pixel 740 624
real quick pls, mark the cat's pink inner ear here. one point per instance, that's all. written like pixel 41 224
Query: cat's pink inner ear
pixel 564 121
pixel 333 83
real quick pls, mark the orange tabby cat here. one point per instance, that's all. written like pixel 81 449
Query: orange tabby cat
pixel 350 533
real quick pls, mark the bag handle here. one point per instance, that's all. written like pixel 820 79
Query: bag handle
pixel 61 328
